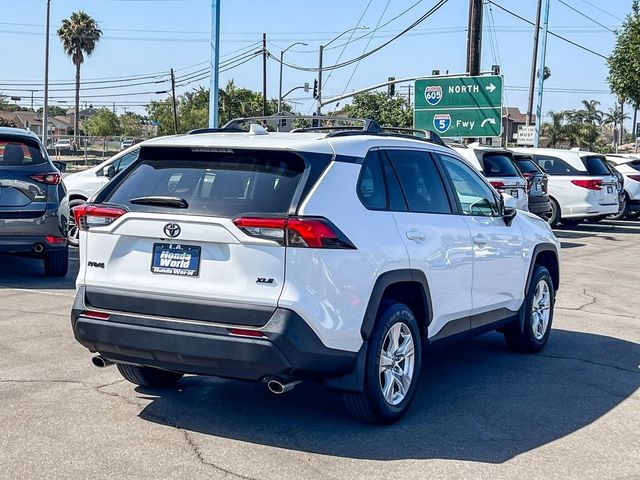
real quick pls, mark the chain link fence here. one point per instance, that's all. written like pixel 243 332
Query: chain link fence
pixel 85 151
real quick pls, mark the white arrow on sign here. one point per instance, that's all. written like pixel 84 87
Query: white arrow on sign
pixel 492 121
pixel 491 87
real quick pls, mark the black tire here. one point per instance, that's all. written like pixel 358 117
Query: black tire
pixel 554 216
pixel 370 405
pixel 148 376
pixel 524 340
pixel 56 263
pixel 634 215
pixel 597 219
pixel 72 228
pixel 623 211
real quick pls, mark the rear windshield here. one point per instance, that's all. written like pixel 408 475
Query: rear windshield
pixel 16 152
pixel 526 165
pixel 224 183
pixel 596 166
pixel 498 165
pixel 635 165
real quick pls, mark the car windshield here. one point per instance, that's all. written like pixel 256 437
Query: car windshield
pixel 19 152
pixel 499 165
pixel 596 166
pixel 526 165
pixel 212 183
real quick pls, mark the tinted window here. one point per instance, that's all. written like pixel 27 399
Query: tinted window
pixel 16 152
pixel 526 165
pixel 499 165
pixel 126 160
pixel 475 196
pixel 635 165
pixel 420 181
pixel 371 189
pixel 397 201
pixel 555 166
pixel 596 166
pixel 213 183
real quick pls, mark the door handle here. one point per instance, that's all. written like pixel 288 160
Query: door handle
pixel 415 235
pixel 480 240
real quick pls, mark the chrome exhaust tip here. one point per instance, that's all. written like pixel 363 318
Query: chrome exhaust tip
pixel 101 362
pixel 38 248
pixel 278 388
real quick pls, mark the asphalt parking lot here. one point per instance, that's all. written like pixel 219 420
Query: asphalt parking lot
pixel 572 411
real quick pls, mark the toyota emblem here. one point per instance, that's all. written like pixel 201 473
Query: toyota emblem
pixel 172 230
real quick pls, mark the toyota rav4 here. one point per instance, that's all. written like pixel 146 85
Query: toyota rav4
pixel 330 254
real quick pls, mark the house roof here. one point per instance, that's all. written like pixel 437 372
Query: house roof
pixel 515 115
pixel 64 120
pixel 32 118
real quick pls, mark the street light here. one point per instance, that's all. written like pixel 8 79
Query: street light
pixel 281 60
pixel 322 47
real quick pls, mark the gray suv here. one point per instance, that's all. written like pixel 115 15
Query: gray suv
pixel 33 202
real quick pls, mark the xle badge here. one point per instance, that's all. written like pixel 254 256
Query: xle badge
pixel 265 281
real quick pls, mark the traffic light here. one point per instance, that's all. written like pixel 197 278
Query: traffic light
pixel 391 88
pixel 315 89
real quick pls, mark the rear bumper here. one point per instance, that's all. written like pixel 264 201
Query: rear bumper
pixel 289 347
pixel 540 206
pixel 27 244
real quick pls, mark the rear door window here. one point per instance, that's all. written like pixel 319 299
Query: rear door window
pixel 556 166
pixel 371 185
pixel 213 183
pixel 420 181
pixel 16 152
pixel 499 165
pixel 596 166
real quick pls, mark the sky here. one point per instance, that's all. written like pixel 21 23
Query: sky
pixel 144 39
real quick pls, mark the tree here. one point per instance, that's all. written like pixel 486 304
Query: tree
pixel 614 118
pixel 54 111
pixel 555 130
pixel 131 124
pixel 7 123
pixel 624 62
pixel 79 35
pixel 104 123
pixel 387 111
pixel 162 113
pixel 590 113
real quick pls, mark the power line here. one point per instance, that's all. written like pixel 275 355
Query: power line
pixel 430 12
pixel 550 32
pixel 602 10
pixel 586 16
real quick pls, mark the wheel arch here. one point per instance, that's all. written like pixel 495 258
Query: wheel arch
pixel 546 255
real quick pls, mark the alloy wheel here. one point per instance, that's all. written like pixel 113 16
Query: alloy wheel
pixel 540 310
pixel 396 363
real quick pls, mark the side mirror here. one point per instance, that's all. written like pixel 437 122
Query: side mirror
pixel 509 208
pixel 109 171
pixel 61 166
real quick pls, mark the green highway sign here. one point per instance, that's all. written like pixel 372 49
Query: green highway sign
pixel 459 106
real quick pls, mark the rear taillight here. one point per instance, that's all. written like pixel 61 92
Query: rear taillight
pixel 87 216
pixel 96 315
pixel 634 177
pixel 241 332
pixel 588 184
pixel 545 184
pixel 47 178
pixel 51 240
pixel 497 184
pixel 311 232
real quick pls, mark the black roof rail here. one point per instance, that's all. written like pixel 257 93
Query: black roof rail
pixel 367 124
pixel 215 130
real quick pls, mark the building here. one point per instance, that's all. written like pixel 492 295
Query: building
pixel 511 119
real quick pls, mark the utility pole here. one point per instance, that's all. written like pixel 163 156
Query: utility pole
pixel 214 64
pixel 542 63
pixel 45 110
pixel 319 98
pixel 175 108
pixel 32 100
pixel 474 37
pixel 534 59
pixel 264 74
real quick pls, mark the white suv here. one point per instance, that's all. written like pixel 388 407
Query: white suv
pixel 334 255
pixel 499 168
pixel 83 185
pixel 629 166
pixel 581 185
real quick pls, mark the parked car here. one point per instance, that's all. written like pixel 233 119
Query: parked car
pixel 498 166
pixel 628 166
pixel 282 257
pixel 82 185
pixel 537 185
pixel 33 204
pixel 581 186
pixel 126 143
pixel 62 144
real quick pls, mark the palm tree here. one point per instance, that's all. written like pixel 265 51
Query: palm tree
pixel 615 117
pixel 79 35
pixel 591 114
pixel 555 129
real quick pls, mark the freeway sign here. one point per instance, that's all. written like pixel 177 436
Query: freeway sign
pixel 459 106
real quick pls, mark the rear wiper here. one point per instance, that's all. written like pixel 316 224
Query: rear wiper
pixel 175 202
